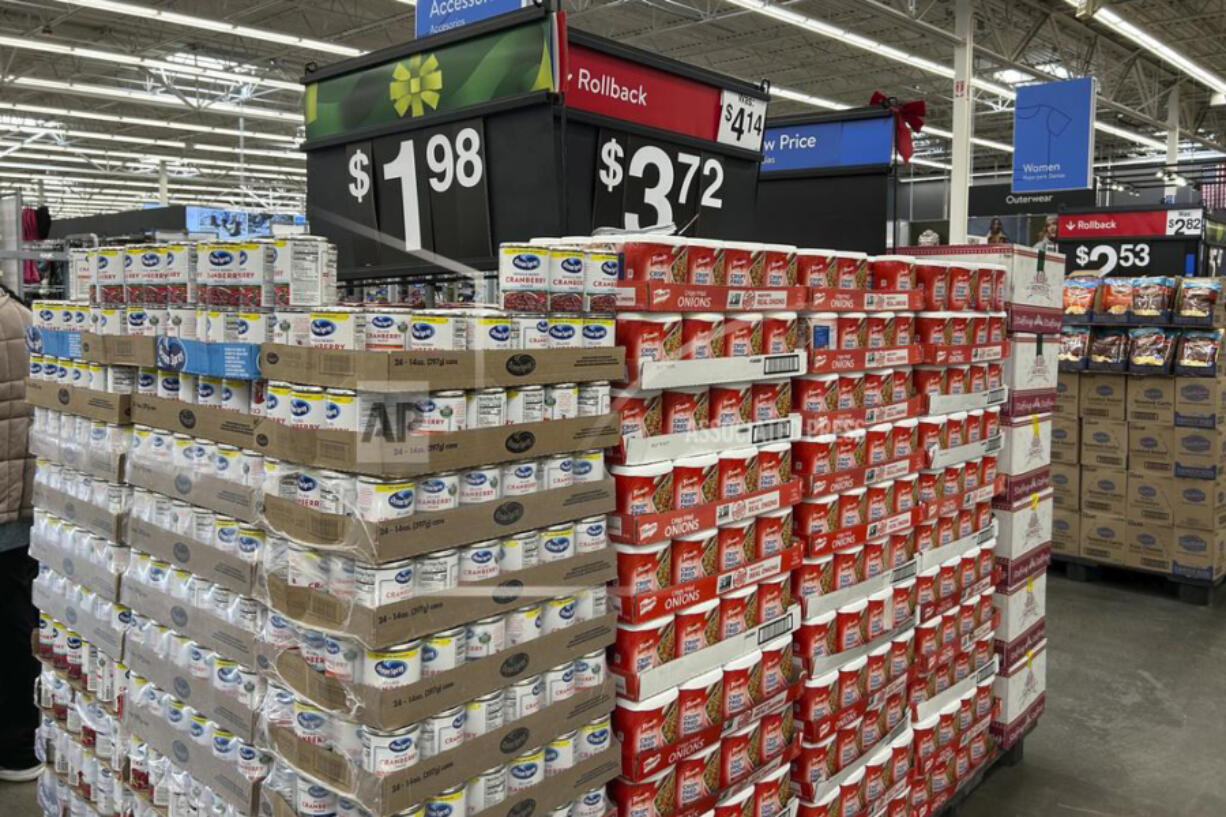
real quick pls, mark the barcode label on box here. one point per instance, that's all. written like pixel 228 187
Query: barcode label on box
pixel 781 364
pixel 774 629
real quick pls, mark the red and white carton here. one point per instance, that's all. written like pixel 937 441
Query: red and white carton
pixel 1026 446
pixel 1021 613
pixel 1020 692
pixel 1030 371
pixel 643 528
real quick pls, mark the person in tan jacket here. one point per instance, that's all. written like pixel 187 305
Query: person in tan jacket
pixel 18 618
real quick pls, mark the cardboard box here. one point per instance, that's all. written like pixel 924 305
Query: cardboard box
pixel 96 462
pixel 1151 400
pixel 1149 548
pixel 677 374
pixel 424 532
pixel 1020 607
pixel 1018 689
pixel 201 558
pixel 119 350
pixel 90 575
pixel 1103 395
pixel 438 370
pixel 208 422
pixel 1198 554
pixel 417 454
pixel 1104 538
pixel 396 708
pixel 1151 498
pixel 201 625
pixel 392 793
pixel 1151 448
pixel 198 693
pixel 96 405
pixel 106 523
pixel 422 615
pixel 222 776
pixel 1024 526
pixel 240 361
pixel 1200 401
pixel 1200 453
pixel 1065 531
pixel 97 630
pixel 1068 395
pixel 1066 486
pixel 220 495
pixel 1199 504
pixel 1104 490
pixel 1026 445
pixel 1065 439
pixel 1104 443
pixel 1032 366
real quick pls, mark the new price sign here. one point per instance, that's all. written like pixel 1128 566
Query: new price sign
pixel 515 127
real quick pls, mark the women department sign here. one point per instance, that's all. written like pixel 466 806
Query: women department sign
pixel 1053 136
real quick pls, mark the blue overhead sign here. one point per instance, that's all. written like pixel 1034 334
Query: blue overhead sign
pixel 437 16
pixel 821 145
pixel 1053 136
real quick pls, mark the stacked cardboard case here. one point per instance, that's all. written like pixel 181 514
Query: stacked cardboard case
pixel 372 592
pixel 1141 461
pixel 1024 508
pixel 149 542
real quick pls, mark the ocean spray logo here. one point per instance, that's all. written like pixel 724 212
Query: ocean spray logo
pixel 526 262
pixel 221 258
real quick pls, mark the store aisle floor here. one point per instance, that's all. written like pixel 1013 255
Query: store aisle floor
pixel 1135 709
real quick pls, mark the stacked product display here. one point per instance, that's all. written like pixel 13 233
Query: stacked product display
pixel 1023 510
pixel 417 632
pixel 1136 442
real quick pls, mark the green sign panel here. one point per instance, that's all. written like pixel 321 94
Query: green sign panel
pixel 498 65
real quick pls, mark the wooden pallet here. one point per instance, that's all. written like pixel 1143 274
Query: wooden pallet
pixel 1200 592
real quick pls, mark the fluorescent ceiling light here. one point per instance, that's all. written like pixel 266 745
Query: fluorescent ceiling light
pixel 122 119
pixel 143 97
pixel 170 67
pixel 215 26
pixel 111 155
pixel 89 134
pixel 149 169
pixel 1156 47
pixel 874 47
pixel 275 154
pixel 1012 76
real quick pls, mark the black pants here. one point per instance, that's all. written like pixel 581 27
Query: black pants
pixel 18 619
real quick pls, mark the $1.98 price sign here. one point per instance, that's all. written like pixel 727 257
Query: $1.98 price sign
pixel 642 183
pixel 427 188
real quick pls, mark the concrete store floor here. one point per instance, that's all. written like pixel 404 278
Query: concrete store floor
pixel 1135 712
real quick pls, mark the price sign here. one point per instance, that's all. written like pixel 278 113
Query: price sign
pixel 642 182
pixel 1185 222
pixel 1161 257
pixel 425 190
pixel 742 120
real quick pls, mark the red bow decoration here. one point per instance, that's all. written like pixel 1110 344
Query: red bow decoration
pixel 908 117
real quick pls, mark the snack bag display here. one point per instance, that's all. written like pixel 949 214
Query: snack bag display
pixel 1198 350
pixel 1116 298
pixel 1074 344
pixel 1151 347
pixel 1198 297
pixel 1152 297
pixel 1079 295
pixel 1109 346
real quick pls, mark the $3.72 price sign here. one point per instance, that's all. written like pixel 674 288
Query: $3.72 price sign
pixel 426 188
pixel 641 183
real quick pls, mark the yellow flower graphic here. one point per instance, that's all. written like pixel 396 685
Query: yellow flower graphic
pixel 416 84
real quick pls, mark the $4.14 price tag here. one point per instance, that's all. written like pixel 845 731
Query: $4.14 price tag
pixel 742 120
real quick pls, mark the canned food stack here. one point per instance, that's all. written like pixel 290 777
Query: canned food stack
pixel 898 467
pixel 440 634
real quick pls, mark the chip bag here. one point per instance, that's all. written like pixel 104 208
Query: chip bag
pixel 1074 343
pixel 1197 297
pixel 1116 298
pixel 1151 346
pixel 1199 349
pixel 1079 295
pixel 1109 346
pixel 1151 297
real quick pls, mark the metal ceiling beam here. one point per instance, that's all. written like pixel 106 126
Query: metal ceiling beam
pixel 1006 62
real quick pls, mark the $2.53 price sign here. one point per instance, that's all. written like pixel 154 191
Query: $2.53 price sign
pixel 641 183
pixel 427 188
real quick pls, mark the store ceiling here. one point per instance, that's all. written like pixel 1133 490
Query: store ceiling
pixel 196 86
